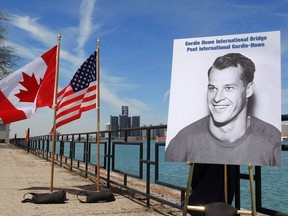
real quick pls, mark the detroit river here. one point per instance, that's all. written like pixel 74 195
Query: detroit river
pixel 274 179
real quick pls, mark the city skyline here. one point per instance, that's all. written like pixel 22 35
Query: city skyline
pixel 125 121
pixel 136 46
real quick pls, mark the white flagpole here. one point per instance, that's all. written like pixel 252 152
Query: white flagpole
pixel 98 112
pixel 55 112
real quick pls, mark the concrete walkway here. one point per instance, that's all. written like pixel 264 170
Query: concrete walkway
pixel 21 173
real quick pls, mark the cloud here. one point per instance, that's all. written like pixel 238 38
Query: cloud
pixel 117 82
pixel 111 88
pixel 23 51
pixel 137 106
pixel 38 32
pixel 86 25
pixel 110 97
pixel 113 99
pixel 166 96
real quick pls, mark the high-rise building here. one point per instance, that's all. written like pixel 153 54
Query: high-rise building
pixel 114 125
pixel 123 124
pixel 125 111
pixel 135 123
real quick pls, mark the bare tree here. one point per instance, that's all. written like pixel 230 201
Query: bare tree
pixel 8 58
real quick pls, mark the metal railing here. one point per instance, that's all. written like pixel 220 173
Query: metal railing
pixel 67 145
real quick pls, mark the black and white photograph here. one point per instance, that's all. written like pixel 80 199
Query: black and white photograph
pixel 225 100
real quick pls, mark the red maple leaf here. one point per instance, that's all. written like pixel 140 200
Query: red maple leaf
pixel 32 87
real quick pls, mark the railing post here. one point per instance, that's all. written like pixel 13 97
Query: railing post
pixel 61 150
pixel 15 137
pixel 27 139
pixel 72 152
pixel 43 146
pixel 148 166
pixel 126 136
pixel 47 148
pixel 109 156
pixel 86 155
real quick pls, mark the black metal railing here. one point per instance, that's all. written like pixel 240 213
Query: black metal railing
pixel 147 164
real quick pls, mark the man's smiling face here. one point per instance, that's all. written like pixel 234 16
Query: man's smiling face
pixel 226 94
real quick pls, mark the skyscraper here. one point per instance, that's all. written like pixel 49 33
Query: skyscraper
pixel 114 125
pixel 123 124
pixel 125 111
pixel 135 123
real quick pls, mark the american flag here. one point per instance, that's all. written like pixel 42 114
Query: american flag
pixel 79 95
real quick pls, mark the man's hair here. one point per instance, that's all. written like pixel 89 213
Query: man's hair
pixel 235 60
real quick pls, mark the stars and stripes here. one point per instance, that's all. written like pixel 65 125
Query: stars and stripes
pixel 79 95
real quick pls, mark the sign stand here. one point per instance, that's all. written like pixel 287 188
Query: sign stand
pixel 187 207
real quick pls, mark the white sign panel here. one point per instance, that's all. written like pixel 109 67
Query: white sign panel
pixel 225 100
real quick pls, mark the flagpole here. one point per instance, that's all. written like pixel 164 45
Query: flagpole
pixel 98 112
pixel 55 112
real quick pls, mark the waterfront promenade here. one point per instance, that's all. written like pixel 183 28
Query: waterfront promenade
pixel 21 173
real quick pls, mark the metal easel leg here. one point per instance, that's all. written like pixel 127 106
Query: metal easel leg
pixel 225 184
pixel 188 189
pixel 253 203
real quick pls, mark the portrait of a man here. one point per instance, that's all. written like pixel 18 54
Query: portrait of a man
pixel 229 134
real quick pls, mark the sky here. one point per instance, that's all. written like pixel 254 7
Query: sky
pixel 136 47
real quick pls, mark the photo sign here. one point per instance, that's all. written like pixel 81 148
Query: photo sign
pixel 225 100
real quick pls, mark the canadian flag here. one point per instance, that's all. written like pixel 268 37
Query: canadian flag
pixel 28 88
